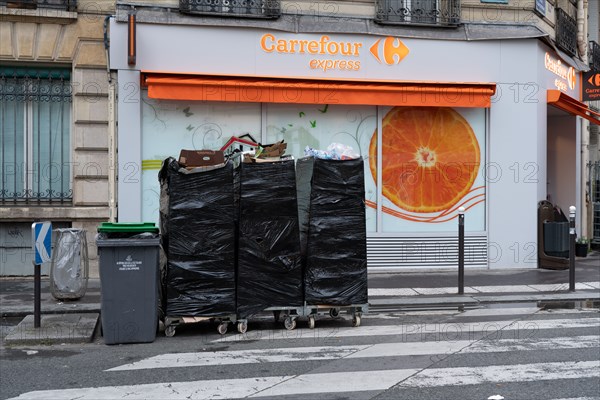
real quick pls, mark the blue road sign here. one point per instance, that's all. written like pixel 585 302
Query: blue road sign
pixel 42 241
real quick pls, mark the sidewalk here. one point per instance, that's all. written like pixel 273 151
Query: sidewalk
pixel 75 321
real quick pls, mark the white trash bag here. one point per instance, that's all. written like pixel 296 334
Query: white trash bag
pixel 69 269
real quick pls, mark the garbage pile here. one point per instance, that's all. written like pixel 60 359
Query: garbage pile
pixel 333 235
pixel 198 225
pixel 249 232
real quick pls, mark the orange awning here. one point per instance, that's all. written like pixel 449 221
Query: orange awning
pixel 267 90
pixel 566 103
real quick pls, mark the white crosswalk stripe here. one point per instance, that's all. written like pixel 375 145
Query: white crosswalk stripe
pixel 443 330
pixel 374 358
pixel 503 373
pixel 180 360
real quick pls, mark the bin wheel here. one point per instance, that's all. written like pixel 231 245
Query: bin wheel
pixel 289 323
pixel 276 315
pixel 222 328
pixel 356 321
pixel 242 327
pixel 334 312
pixel 311 322
pixel 170 331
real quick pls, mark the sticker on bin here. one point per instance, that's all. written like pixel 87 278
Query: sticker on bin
pixel 129 264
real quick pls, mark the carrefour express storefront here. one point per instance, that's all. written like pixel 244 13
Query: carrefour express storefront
pixel 437 132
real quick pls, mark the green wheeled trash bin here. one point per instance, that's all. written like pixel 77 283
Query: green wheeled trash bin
pixel 128 260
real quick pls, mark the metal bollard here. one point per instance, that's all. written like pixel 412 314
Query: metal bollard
pixel 461 250
pixel 572 211
pixel 37 294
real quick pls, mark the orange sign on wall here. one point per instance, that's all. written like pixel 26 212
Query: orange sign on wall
pixel 331 54
pixel 567 74
pixel 591 86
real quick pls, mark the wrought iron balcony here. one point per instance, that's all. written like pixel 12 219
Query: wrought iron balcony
pixel 418 12
pixel 66 5
pixel 232 8
pixel 566 32
pixel 594 56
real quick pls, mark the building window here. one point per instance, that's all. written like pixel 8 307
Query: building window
pixel 566 32
pixel 67 5
pixel 594 56
pixel 418 12
pixel 35 125
pixel 233 8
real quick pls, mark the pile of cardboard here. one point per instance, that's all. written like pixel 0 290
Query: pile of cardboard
pixel 268 153
pixel 191 159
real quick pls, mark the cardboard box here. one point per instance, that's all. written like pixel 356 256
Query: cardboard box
pixel 200 158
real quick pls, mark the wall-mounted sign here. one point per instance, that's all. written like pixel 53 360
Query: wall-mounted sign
pixel 540 7
pixel 330 54
pixel 591 86
pixel 567 77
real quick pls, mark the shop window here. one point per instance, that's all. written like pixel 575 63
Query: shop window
pixel 433 159
pixel 418 12
pixel 234 8
pixel 35 120
pixel 67 5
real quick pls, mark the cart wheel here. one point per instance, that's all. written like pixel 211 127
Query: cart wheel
pixel 170 331
pixel 222 328
pixel 289 323
pixel 311 322
pixel 276 315
pixel 356 321
pixel 334 312
pixel 242 327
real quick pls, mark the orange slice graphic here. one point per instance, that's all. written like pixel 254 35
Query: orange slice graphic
pixel 430 158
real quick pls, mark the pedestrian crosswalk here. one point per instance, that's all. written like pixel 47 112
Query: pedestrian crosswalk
pixel 514 352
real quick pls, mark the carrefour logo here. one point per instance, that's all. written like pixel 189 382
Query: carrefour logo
pixel 389 51
pixel 328 54
pixel 572 78
pixel 567 74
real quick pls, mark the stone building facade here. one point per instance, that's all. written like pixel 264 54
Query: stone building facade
pixel 36 43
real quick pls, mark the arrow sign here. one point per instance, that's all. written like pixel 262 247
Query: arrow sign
pixel 594 80
pixel 42 241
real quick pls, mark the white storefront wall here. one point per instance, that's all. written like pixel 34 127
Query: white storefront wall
pixel 513 132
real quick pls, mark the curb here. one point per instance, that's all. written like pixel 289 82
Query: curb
pixel 54 329
pixel 383 302
pixel 471 301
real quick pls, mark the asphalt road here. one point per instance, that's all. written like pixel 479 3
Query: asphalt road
pixel 516 351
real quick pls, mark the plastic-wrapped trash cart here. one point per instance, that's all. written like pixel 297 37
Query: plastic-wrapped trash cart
pixel 70 265
pixel 333 237
pixel 269 274
pixel 129 255
pixel 198 231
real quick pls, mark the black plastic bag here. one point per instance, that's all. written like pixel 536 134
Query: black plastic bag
pixel 333 234
pixel 198 228
pixel 269 270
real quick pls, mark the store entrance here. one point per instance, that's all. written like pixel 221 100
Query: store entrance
pixel 562 160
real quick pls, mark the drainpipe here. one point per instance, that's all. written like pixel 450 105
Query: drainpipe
pixel 112 140
pixel 582 45
pixel 581 29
